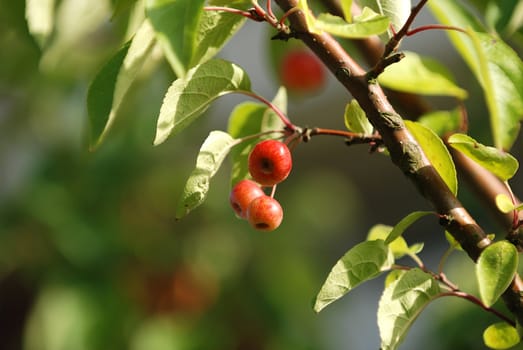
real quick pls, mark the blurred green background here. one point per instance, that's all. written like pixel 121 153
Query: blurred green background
pixel 92 258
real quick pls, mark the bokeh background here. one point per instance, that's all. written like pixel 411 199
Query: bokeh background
pixel 92 258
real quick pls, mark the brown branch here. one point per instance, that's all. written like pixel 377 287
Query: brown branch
pixel 404 150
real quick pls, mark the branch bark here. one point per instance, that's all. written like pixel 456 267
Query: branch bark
pixel 404 150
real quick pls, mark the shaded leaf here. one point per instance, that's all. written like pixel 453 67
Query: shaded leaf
pixel 497 67
pixel 190 96
pixel 421 75
pixel 495 269
pixel 501 336
pixel 176 25
pixel 401 303
pixel 356 119
pixel 498 162
pixel 366 24
pixel 362 262
pixel 436 152
pixel 109 87
pixel 210 157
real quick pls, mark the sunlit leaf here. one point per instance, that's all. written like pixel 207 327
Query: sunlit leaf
pixel 498 162
pixel 190 96
pixel 495 269
pixel 398 246
pixel 40 19
pixel 210 157
pixel 176 25
pixel 436 152
pixel 501 336
pixel 346 6
pixel 505 204
pixel 216 28
pixel 401 303
pixel 356 119
pixel 421 75
pixel 363 262
pixel 396 10
pixel 309 18
pixel 109 87
pixel 497 67
pixel 366 24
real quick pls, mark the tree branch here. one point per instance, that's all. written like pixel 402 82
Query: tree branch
pixel 404 150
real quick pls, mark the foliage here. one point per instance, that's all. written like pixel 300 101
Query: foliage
pixel 174 46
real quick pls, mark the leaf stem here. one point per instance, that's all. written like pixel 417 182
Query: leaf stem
pixel 479 303
pixel 288 124
pixel 434 26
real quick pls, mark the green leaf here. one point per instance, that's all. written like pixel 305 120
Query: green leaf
pixel 398 246
pixel 40 15
pixel 436 152
pixel 251 118
pixel 212 153
pixel 505 204
pixel 421 75
pixel 100 96
pixel 356 119
pixel 176 25
pixel 396 10
pixel 362 262
pixel 109 87
pixel 500 163
pixel 346 6
pixel 216 28
pixel 442 122
pixel 495 269
pixel 366 24
pixel 401 303
pixel 190 96
pixel 501 336
pixel 497 67
pixel 303 5
pixel 404 223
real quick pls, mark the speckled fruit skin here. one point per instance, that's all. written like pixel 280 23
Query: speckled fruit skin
pixel 270 162
pixel 301 71
pixel 242 194
pixel 265 213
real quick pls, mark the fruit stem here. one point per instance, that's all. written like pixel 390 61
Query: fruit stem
pixel 288 125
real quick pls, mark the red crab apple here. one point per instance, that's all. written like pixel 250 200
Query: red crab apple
pixel 301 71
pixel 242 194
pixel 264 213
pixel 270 162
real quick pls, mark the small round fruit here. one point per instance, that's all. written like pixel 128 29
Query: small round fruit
pixel 302 71
pixel 242 194
pixel 265 213
pixel 270 162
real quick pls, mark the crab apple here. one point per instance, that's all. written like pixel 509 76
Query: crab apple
pixel 265 213
pixel 302 71
pixel 270 162
pixel 242 194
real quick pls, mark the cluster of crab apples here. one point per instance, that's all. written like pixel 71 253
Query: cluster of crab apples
pixel 270 163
